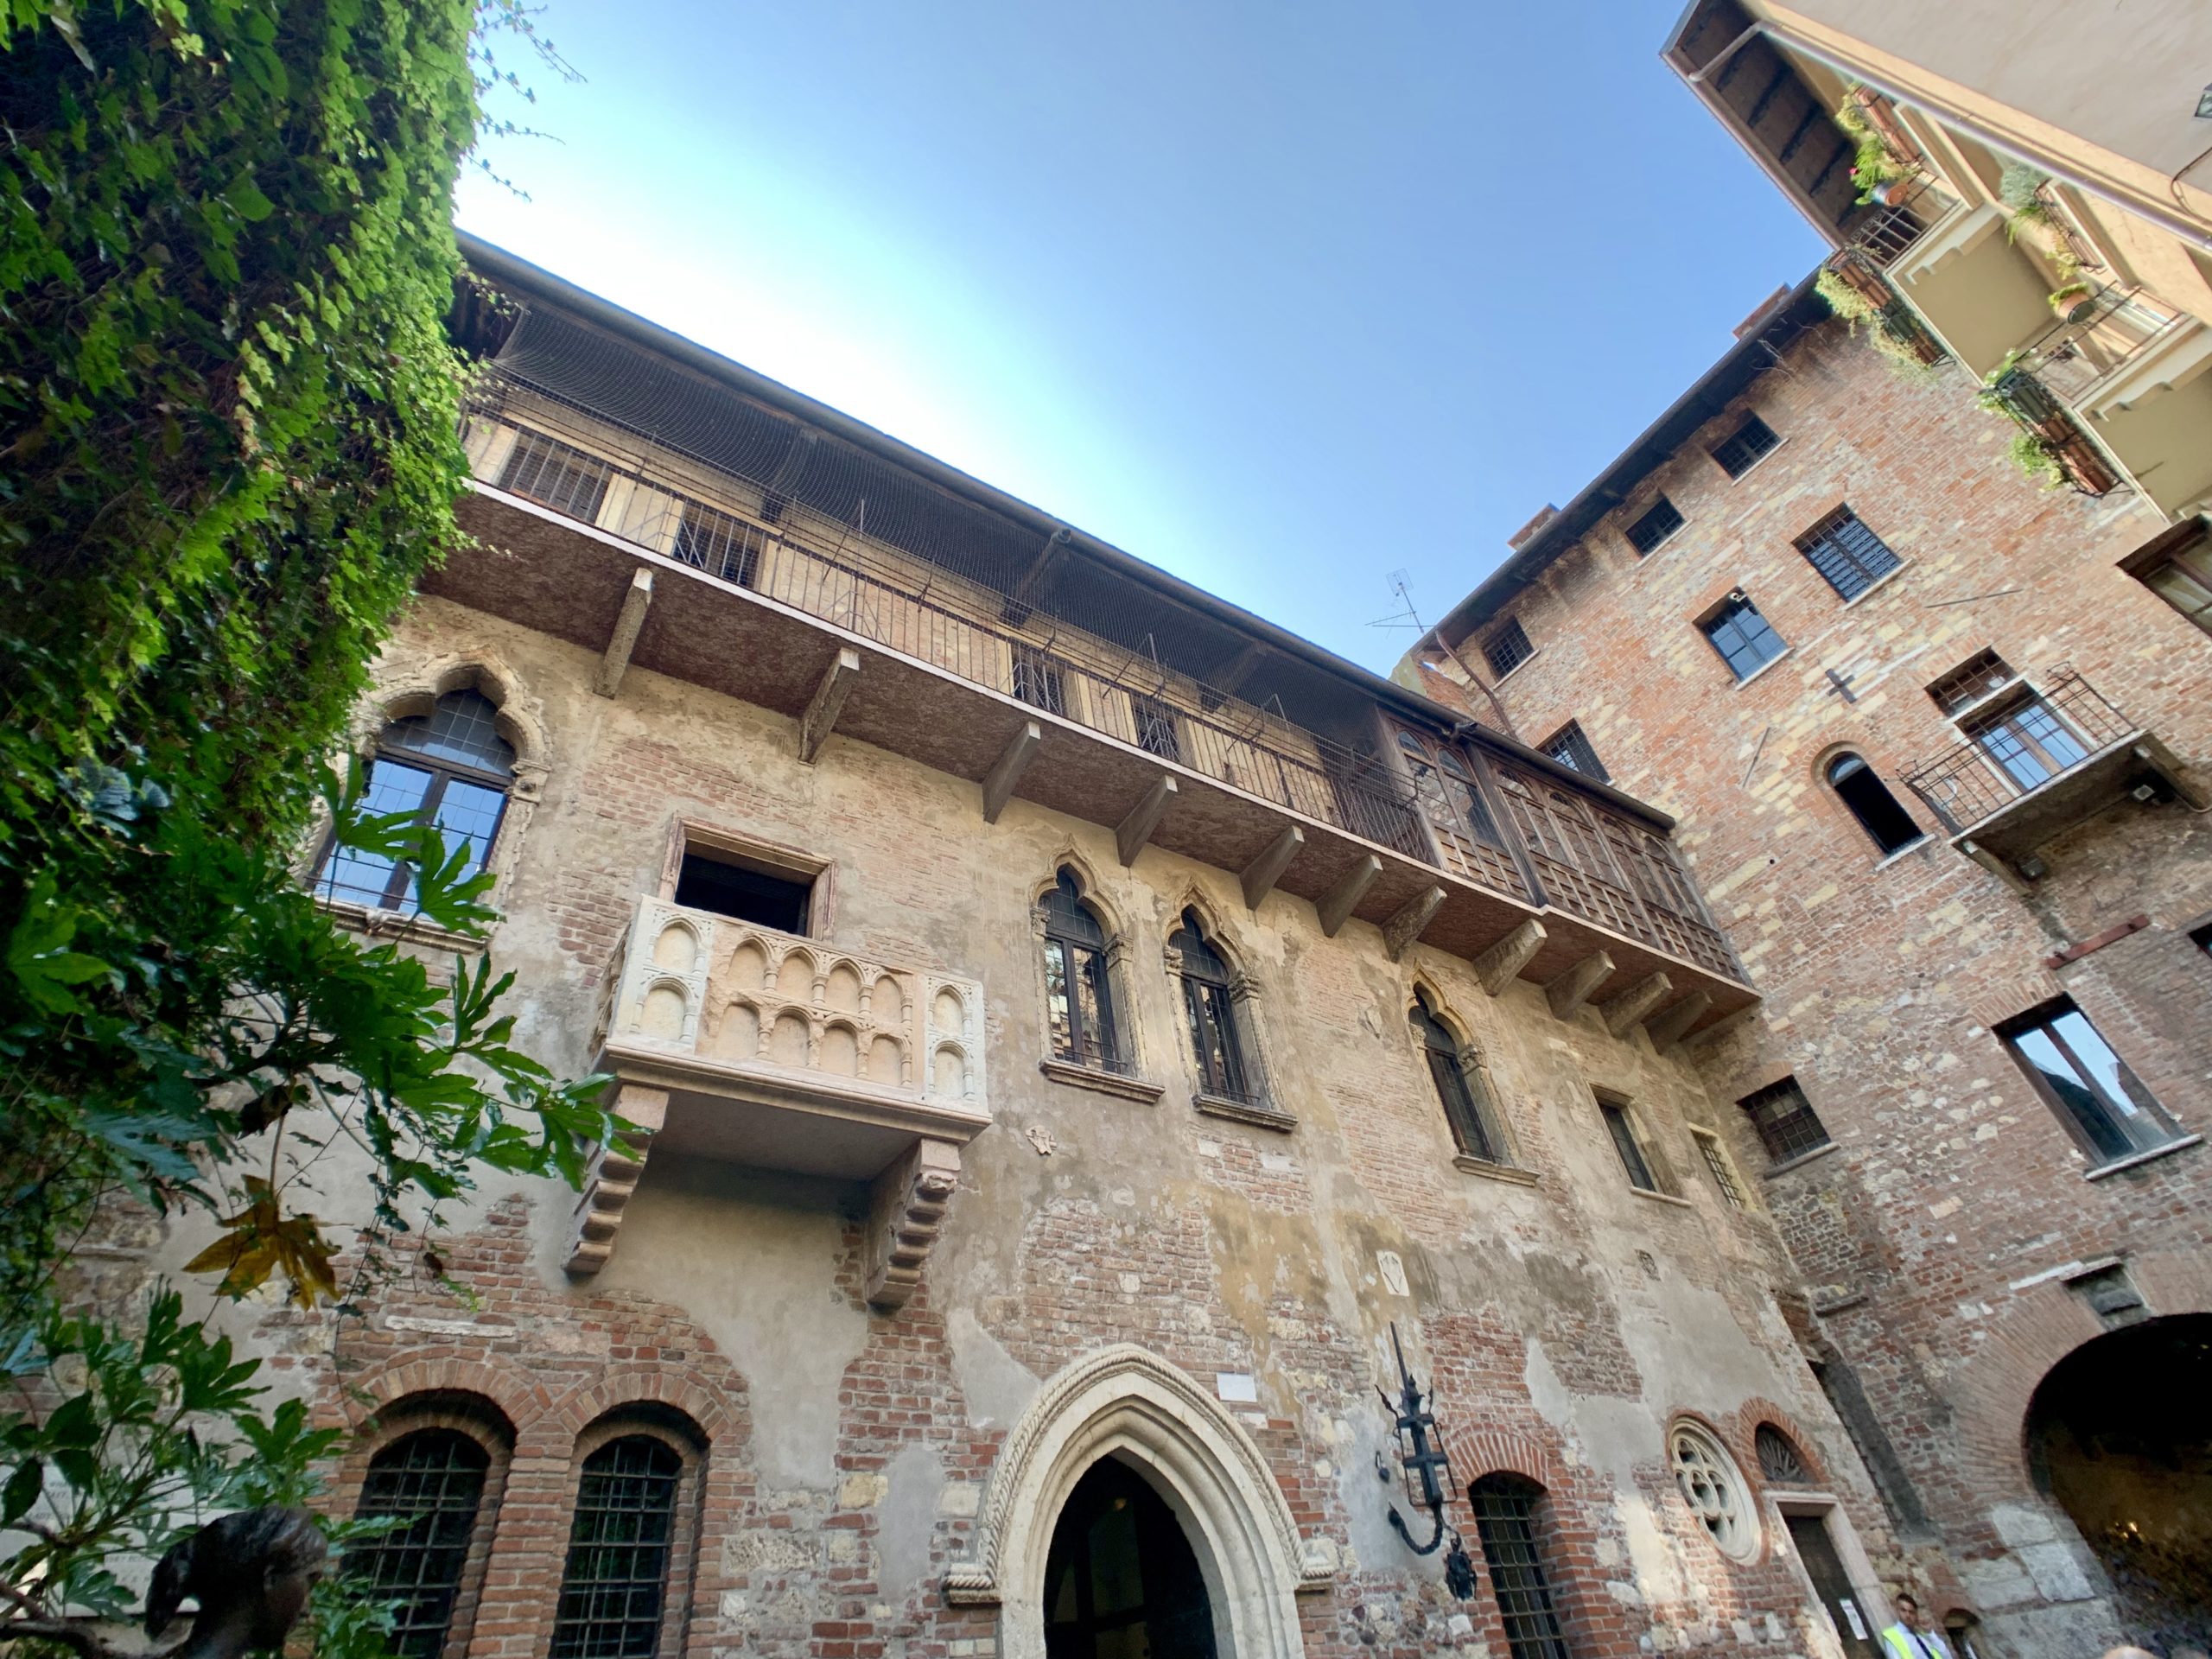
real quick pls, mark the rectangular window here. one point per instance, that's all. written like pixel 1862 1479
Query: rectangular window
pixel 2029 744
pixel 1785 1121
pixel 1660 520
pixel 1740 451
pixel 1718 1166
pixel 1156 732
pixel 556 475
pixel 730 885
pixel 719 544
pixel 2090 1087
pixel 1634 1160
pixel 1037 680
pixel 1852 557
pixel 1570 748
pixel 1970 682
pixel 1745 640
pixel 1508 648
pixel 2184 579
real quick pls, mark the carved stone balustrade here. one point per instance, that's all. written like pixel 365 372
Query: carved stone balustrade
pixel 741 1045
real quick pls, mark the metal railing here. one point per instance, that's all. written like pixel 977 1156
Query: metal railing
pixel 1863 274
pixel 2021 393
pixel 2101 337
pixel 2019 740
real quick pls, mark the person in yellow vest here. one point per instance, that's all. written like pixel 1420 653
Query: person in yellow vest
pixel 1909 1638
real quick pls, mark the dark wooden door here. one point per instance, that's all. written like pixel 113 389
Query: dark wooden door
pixel 1855 1625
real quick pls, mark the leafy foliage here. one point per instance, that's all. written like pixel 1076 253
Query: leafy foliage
pixel 227 452
pixel 1857 311
pixel 1873 162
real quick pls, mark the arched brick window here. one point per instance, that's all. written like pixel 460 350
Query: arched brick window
pixel 1887 823
pixel 1217 1035
pixel 1086 1027
pixel 434 1480
pixel 1507 1509
pixel 1780 1460
pixel 622 1539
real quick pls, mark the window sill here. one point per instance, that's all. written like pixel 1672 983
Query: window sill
pixel 1760 672
pixel 1483 1166
pixel 1912 846
pixel 1798 1162
pixel 1256 1113
pixel 1878 584
pixel 1106 1083
pixel 407 930
pixel 1517 668
pixel 1662 1197
pixel 2141 1158
pixel 1781 441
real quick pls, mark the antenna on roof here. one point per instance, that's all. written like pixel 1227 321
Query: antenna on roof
pixel 1401 585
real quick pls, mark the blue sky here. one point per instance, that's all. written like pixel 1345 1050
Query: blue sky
pixel 1284 298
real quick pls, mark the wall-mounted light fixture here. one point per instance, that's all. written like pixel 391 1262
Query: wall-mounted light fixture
pixel 1427 1472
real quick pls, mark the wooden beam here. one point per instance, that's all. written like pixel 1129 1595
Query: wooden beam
pixel 1500 965
pixel 1338 903
pixel 1571 988
pixel 1264 872
pixel 1623 1010
pixel 1006 772
pixel 821 716
pixel 1143 818
pixel 615 660
pixel 1403 929
pixel 1668 1025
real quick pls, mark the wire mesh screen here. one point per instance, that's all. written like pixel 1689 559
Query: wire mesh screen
pixel 616 1579
pixel 434 1479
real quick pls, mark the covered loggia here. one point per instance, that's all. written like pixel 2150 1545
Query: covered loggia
pixel 2119 1434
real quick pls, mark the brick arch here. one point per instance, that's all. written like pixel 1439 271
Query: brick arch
pixel 496 1377
pixel 634 1383
pixel 1491 1449
pixel 1743 1441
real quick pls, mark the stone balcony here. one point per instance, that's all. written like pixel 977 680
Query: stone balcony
pixel 740 1044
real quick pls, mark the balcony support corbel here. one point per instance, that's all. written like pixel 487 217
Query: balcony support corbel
pixel 1005 775
pixel 1624 1010
pixel 628 621
pixel 1572 989
pixel 1668 1025
pixel 905 1210
pixel 1500 965
pixel 821 716
pixel 1403 929
pixel 1143 818
pixel 1264 872
pixel 1338 903
pixel 612 1178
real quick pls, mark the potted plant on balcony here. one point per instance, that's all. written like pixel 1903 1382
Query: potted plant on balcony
pixel 2076 301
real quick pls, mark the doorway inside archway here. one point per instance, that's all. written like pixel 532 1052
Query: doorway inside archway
pixel 1122 1581
pixel 2120 1433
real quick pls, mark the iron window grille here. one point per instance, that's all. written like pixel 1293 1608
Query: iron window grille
pixel 1745 640
pixel 1779 1458
pixel 1659 521
pixel 1459 1087
pixel 434 1480
pixel 1723 1172
pixel 1850 557
pixel 1887 824
pixel 1972 681
pixel 1508 648
pixel 2090 1087
pixel 1505 1520
pixel 1156 730
pixel 556 475
pixel 1641 1174
pixel 1741 450
pixel 1078 985
pixel 720 544
pixel 1787 1125
pixel 450 768
pixel 614 1583
pixel 1039 681
pixel 1570 748
pixel 1215 1042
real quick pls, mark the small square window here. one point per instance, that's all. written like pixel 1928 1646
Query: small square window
pixel 1970 682
pixel 1720 1167
pixel 1785 1121
pixel 1039 680
pixel 1740 451
pixel 1508 648
pixel 1850 557
pixel 1660 520
pixel 1745 640
pixel 710 881
pixel 1570 748
pixel 1156 730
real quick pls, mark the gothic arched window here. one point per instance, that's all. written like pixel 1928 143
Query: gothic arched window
pixel 1217 1040
pixel 450 767
pixel 1078 982
pixel 1857 787
pixel 1459 1086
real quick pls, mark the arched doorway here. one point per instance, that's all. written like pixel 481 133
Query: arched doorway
pixel 1122 1580
pixel 2119 1434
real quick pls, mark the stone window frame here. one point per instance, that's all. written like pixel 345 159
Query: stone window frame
pixel 1131 1083
pixel 1667 1186
pixel 482 1421
pixel 1511 1166
pixel 1745 1543
pixel 1262 1108
pixel 1721 1164
pixel 680 1434
pixel 753 851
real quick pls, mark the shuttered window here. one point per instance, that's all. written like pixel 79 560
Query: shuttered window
pixel 1849 556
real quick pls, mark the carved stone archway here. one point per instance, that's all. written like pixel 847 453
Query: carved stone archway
pixel 1126 1403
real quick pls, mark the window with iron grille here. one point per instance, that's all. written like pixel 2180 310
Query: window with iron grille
pixel 1745 640
pixel 1570 748
pixel 556 475
pixel 1970 682
pixel 450 768
pixel 1786 1123
pixel 2088 1086
pixel 434 1480
pixel 1642 1171
pixel 1659 521
pixel 1508 647
pixel 1779 1459
pixel 1156 729
pixel 1740 451
pixel 1037 680
pixel 1078 984
pixel 615 1580
pixel 1852 557
pixel 1217 1038
pixel 1459 1087
pixel 1720 1167
pixel 719 544
pixel 1505 1520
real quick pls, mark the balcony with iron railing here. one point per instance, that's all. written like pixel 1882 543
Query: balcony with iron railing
pixel 2037 757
